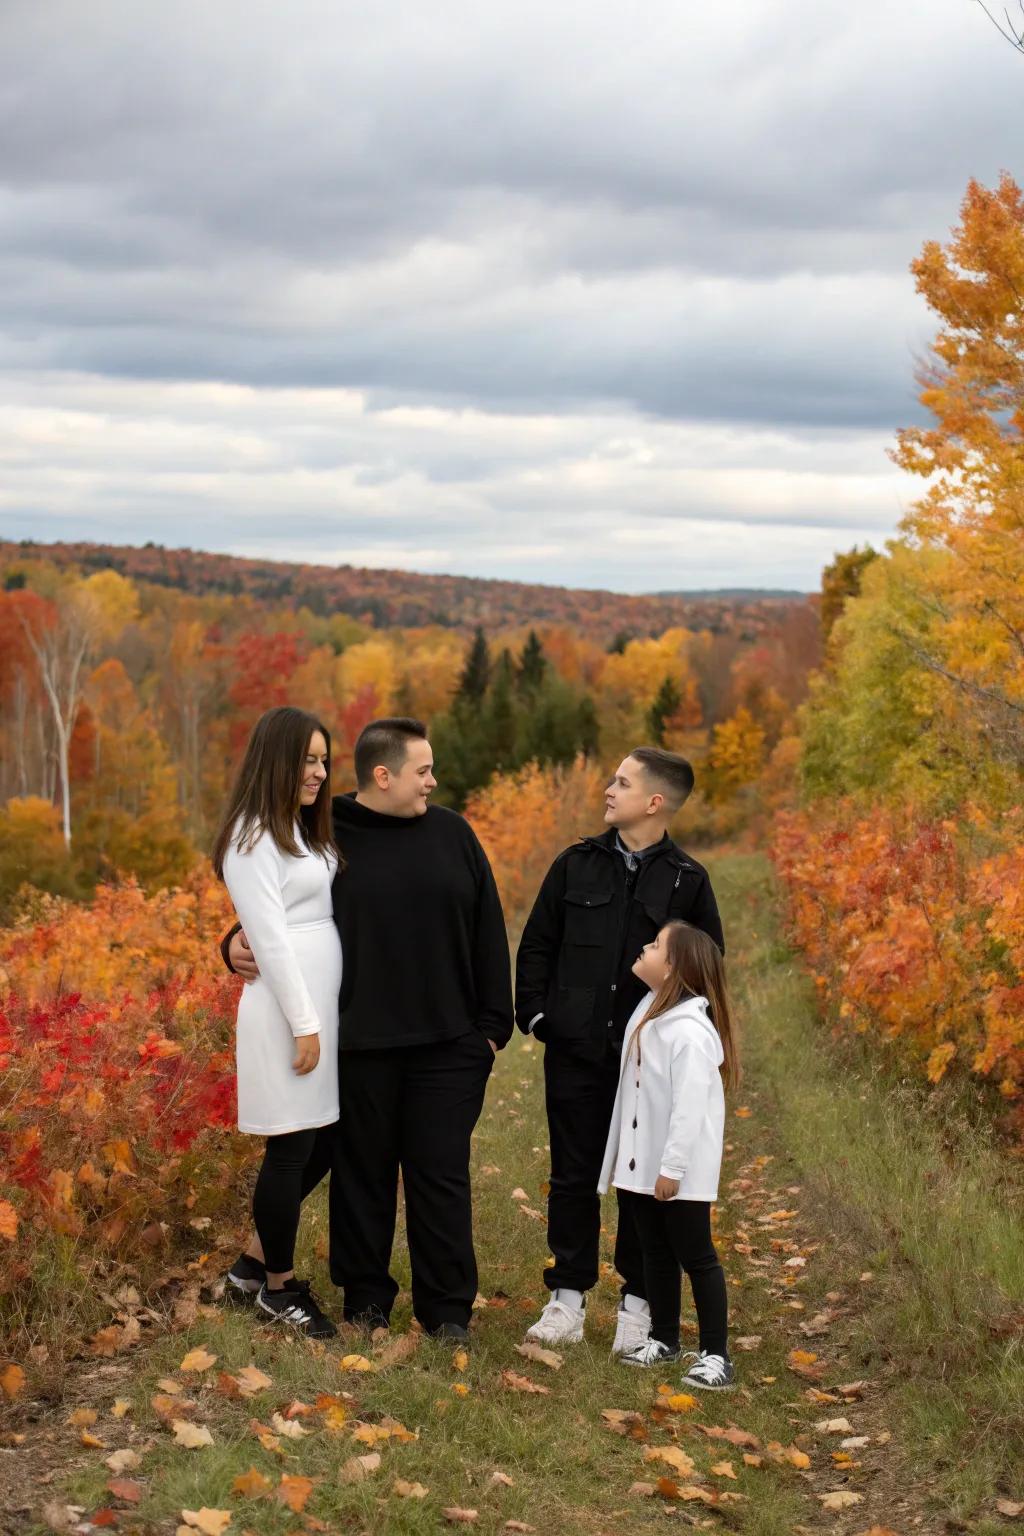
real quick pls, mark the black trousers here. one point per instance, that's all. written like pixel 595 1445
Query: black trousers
pixel 579 1094
pixel 412 1108
pixel 289 1163
pixel 675 1235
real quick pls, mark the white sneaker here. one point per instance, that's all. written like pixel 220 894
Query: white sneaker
pixel 558 1324
pixel 631 1330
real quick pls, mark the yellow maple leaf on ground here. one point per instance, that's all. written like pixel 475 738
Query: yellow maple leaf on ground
pixel 209 1522
pixel 197 1360
pixel 294 1491
pixel 251 1484
pixel 12 1380
pixel 191 1436
pixel 406 1490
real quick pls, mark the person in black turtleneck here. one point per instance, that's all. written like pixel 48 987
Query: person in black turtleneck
pixel 426 1000
pixel 602 900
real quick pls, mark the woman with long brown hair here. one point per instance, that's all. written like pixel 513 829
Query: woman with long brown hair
pixel 664 1152
pixel 275 852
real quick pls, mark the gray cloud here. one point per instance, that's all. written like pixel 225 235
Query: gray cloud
pixel 659 217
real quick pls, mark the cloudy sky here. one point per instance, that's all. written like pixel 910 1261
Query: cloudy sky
pixel 598 294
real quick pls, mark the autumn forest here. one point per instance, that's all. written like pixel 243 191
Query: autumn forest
pixel 868 738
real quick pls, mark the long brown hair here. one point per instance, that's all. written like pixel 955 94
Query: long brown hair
pixel 696 969
pixel 268 786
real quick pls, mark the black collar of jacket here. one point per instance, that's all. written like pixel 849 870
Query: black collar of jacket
pixel 606 843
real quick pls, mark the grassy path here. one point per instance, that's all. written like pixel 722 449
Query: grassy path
pixel 879 1243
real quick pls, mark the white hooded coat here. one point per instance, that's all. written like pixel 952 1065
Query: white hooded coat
pixel 669 1111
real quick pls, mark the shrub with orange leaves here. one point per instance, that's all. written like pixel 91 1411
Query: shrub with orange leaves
pixel 524 819
pixel 915 933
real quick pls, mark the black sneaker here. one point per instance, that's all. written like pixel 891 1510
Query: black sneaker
pixel 244 1278
pixel 370 1319
pixel 449 1333
pixel 711 1373
pixel 297 1306
pixel 650 1352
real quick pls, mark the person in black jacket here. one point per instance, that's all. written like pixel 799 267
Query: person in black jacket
pixel 602 900
pixel 426 1000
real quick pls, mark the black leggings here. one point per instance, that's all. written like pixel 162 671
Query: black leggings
pixel 675 1235
pixel 293 1164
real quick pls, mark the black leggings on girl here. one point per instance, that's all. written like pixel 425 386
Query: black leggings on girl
pixel 675 1235
pixel 282 1183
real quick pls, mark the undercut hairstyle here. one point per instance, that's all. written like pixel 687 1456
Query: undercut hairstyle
pixel 671 774
pixel 267 793
pixel 384 744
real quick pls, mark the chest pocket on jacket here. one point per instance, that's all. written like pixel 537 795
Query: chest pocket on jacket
pixel 587 917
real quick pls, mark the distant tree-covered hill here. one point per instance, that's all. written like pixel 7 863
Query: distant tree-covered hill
pixel 387 598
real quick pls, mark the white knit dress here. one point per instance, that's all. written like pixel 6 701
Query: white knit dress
pixel 284 906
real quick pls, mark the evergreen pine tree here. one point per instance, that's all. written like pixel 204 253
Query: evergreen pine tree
pixel 533 664
pixel 666 702
pixel 477 671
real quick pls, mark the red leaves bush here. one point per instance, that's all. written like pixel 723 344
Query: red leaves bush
pixel 915 933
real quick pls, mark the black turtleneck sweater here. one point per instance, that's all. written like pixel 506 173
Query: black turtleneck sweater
pixel 424 949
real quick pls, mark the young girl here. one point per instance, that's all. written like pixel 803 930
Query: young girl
pixel 664 1151
pixel 275 852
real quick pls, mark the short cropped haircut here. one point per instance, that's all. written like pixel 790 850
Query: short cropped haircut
pixel 672 774
pixel 384 744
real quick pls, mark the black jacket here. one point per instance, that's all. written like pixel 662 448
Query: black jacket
pixel 588 925
pixel 423 944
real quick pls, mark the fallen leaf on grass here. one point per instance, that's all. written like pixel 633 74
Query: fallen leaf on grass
pixel 804 1362
pixel 82 1418
pixel 198 1360
pixel 791 1453
pixel 356 1468
pixel 815 1395
pixel 398 1351
pixel 644 1490
pixel 370 1434
pixel 191 1436
pixel 523 1384
pixel 91 1441
pixel 355 1363
pixel 749 1341
pixel 460 1360
pixel 170 1386
pixel 841 1498
pixel 834 1427
pixel 724 1469
pixel 121 1407
pixel 1009 1507
pixel 624 1421
pixel 397 1430
pixel 251 1380
pixel 855 1442
pixel 519 1194
pixel 251 1484
pixel 517 1525
pixel 211 1522
pixel 735 1436
pixel 124 1488
pixel 752 1461
pixel 501 1480
pixel 460 1389
pixel 406 1490
pixel 124 1461
pixel 672 1456
pixel 167 1408
pixel 685 1493
pixel 287 1427
pixel 294 1491
pixel 542 1356
pixel 12 1381
pixel 456 1516
pixel 677 1402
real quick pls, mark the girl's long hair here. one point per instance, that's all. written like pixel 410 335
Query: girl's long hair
pixel 696 969
pixel 268 785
